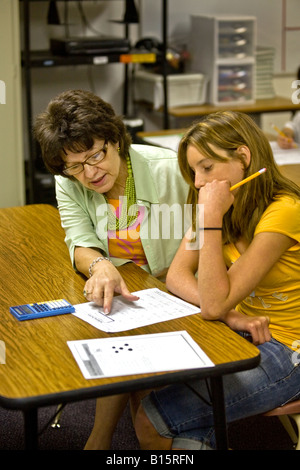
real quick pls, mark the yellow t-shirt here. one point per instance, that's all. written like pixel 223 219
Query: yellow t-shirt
pixel 278 295
pixel 126 244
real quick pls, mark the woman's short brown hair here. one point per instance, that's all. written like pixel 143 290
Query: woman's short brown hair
pixel 72 121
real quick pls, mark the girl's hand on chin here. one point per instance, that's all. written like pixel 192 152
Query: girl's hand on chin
pixel 216 196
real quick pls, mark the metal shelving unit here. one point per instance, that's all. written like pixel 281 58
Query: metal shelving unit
pixel 45 58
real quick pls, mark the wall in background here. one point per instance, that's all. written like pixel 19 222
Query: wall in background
pixel 268 14
pixel 11 150
pixel 107 81
pixel 269 34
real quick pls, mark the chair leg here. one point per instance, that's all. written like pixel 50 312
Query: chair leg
pixel 286 422
pixel 296 418
pixel 56 423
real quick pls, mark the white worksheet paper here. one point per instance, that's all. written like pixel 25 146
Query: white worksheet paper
pixel 281 156
pixel 153 306
pixel 285 156
pixel 140 354
pixel 168 141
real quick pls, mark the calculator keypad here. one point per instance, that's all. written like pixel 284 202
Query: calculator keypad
pixel 42 309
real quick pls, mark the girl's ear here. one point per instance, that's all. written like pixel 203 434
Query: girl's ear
pixel 245 153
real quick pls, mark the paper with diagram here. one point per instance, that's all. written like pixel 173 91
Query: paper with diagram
pixel 131 355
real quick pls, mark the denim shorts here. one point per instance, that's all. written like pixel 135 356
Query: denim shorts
pixel 183 412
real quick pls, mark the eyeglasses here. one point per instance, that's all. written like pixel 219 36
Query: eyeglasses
pixel 92 161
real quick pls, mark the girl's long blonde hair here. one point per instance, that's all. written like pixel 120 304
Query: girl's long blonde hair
pixel 228 130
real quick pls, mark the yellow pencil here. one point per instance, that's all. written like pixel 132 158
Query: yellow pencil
pixel 248 179
pixel 280 132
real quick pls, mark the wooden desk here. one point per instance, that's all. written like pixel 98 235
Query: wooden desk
pixel 292 172
pixel 276 104
pixel 40 369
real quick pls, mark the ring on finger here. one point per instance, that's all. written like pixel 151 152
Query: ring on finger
pixel 85 293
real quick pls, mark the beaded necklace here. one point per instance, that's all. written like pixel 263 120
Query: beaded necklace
pixel 128 216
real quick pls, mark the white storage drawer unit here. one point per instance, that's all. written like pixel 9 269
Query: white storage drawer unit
pixel 223 48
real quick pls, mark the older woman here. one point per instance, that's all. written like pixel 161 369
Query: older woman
pixel 111 196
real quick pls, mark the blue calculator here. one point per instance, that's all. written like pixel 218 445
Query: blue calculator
pixel 42 309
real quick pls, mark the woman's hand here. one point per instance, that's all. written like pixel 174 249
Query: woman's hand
pixel 258 326
pixel 105 281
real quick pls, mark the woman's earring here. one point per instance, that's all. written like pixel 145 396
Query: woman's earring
pixel 119 149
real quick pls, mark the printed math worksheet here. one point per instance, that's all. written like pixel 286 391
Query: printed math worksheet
pixel 153 306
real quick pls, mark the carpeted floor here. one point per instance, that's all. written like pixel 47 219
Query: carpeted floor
pixel 258 433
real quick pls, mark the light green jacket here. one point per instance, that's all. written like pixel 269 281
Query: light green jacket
pixel 160 188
